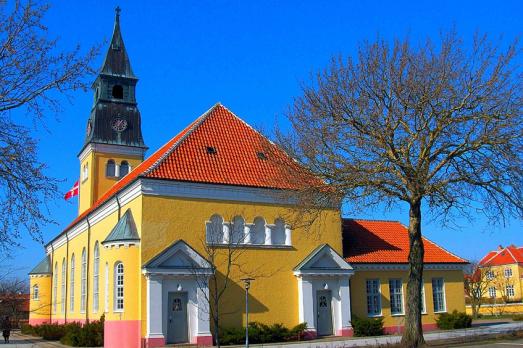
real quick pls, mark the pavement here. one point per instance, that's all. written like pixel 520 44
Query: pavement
pixel 496 344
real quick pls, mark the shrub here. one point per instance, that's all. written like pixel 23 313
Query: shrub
pixel 517 317
pixel 27 329
pixel 262 333
pixel 454 320
pixel 367 326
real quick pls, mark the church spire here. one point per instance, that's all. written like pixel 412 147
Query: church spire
pixel 116 60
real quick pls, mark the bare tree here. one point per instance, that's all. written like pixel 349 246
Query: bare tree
pixel 14 298
pixel 477 286
pixel 36 76
pixel 433 125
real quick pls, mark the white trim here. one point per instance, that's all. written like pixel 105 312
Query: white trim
pixel 111 149
pixel 405 267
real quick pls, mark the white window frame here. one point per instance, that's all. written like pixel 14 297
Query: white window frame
pixel 423 297
pixel 489 275
pixel 106 288
pixel 394 281
pixel 508 272
pixel 36 294
pixel 119 304
pixel 510 291
pixel 374 294
pixel 62 288
pixel 55 287
pixel 492 292
pixel 83 280
pixel 96 277
pixel 71 285
pixel 443 297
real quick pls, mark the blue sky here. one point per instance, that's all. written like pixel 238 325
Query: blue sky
pixel 252 57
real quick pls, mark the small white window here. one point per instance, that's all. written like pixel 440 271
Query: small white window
pixel 36 295
pixel 508 272
pixel 492 292
pixel 110 169
pixel 438 295
pixel 118 287
pixel 83 285
pixel 396 296
pixel 510 291
pixel 490 275
pixel 278 233
pixel 85 172
pixel 71 286
pixel 373 297
pixel 258 231
pixel 124 169
pixel 238 230
pixel 214 230
pixel 96 274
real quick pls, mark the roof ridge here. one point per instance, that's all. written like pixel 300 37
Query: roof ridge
pixel 510 252
pixel 439 246
pixel 190 129
pixel 373 220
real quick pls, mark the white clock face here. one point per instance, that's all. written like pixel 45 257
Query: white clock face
pixel 119 124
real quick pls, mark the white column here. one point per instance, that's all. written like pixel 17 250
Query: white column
pixel 117 170
pixel 268 234
pixel 288 240
pixel 203 321
pixel 247 233
pixel 345 303
pixel 306 303
pixel 226 233
pixel 154 307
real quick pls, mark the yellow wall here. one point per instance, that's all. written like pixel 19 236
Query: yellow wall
pixel 130 256
pixel 453 284
pixel 167 220
pixel 41 308
pixel 499 309
pixel 97 182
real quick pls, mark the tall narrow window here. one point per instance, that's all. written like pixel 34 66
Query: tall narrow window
pixel 83 280
pixel 106 288
pixel 71 286
pixel 118 286
pixel 55 286
pixel 492 291
pixel 396 296
pixel 508 272
pixel 110 169
pixel 238 230
pixel 62 290
pixel 278 233
pixel 214 230
pixel 36 294
pixel 124 169
pixel 438 294
pixel 96 273
pixel 422 299
pixel 373 297
pixel 510 291
pixel 258 231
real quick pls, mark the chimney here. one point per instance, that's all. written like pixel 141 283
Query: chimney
pixel 500 247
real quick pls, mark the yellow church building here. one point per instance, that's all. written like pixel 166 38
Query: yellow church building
pixel 139 250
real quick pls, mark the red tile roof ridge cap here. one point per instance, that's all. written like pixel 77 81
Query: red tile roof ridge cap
pixel 195 124
pixel 496 252
pixel 510 252
pixel 373 220
pixel 439 246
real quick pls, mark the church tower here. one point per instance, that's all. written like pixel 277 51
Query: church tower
pixel 113 143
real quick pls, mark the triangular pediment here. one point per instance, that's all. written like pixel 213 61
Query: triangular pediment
pixel 323 260
pixel 178 258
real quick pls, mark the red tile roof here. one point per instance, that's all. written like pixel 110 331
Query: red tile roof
pixel 370 241
pixel 503 256
pixel 241 158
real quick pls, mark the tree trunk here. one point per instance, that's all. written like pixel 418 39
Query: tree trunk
pixel 413 334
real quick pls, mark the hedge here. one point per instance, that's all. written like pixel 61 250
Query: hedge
pixel 367 326
pixel 454 320
pixel 261 333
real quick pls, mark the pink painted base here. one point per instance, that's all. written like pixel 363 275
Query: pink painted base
pixel 392 330
pixel 345 332
pixel 38 321
pixel 33 321
pixel 310 334
pixel 154 342
pixel 204 340
pixel 122 333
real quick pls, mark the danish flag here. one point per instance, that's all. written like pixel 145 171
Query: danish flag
pixel 73 191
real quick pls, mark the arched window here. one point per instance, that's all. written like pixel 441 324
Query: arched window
pixel 83 284
pixel 238 230
pixel 258 231
pixel 85 172
pixel 71 286
pixel 117 92
pixel 118 286
pixel 96 273
pixel 55 286
pixel 62 299
pixel 124 169
pixel 110 169
pixel 106 288
pixel 278 233
pixel 214 231
pixel 36 295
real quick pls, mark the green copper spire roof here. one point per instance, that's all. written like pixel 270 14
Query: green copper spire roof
pixel 44 267
pixel 124 231
pixel 117 61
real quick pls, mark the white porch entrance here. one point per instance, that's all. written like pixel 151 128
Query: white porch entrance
pixel 177 293
pixel 324 293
